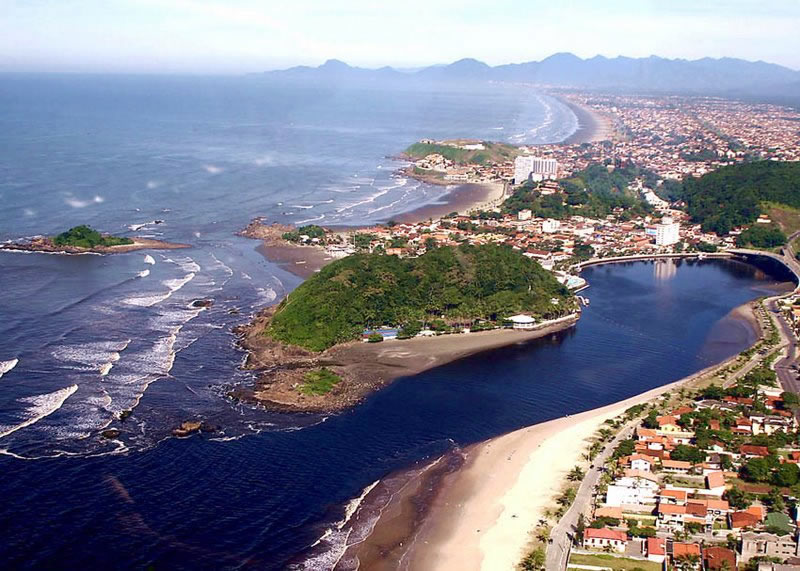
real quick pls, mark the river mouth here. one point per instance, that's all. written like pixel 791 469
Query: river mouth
pixel 289 485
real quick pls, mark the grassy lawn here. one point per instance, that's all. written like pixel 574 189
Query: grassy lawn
pixel 319 382
pixel 616 563
pixel 786 217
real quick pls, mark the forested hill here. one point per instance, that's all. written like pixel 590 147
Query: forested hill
pixel 732 196
pixel 463 284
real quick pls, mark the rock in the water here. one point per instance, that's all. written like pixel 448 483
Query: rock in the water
pixel 110 433
pixel 186 428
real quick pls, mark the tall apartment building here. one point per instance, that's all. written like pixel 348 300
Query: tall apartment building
pixel 538 168
pixel 667 232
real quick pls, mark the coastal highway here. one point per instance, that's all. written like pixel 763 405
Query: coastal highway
pixel 563 532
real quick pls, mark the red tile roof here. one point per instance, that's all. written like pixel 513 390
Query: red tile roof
pixel 682 549
pixel 656 546
pixel 743 519
pixel 604 533
pixel 715 557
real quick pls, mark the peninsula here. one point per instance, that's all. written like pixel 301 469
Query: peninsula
pixel 85 240
pixel 367 319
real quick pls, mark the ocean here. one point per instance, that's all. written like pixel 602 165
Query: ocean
pixel 192 160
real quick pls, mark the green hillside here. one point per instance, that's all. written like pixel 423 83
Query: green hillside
pixel 462 284
pixel 736 195
pixel 85 237
pixel 493 153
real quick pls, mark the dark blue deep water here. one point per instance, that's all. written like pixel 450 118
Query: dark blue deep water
pixel 85 337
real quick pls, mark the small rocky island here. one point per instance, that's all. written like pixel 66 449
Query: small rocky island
pixel 367 319
pixel 84 239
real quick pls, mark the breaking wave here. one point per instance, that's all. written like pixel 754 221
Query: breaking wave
pixel 40 407
pixel 6 366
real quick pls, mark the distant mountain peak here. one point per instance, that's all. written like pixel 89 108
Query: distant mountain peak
pixel 718 76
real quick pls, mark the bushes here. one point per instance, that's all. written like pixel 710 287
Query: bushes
pixel 85 237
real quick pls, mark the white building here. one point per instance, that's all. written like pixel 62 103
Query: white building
pixel 527 166
pixel 667 232
pixel 550 226
pixel 636 488
pixel 524 214
pixel 522 322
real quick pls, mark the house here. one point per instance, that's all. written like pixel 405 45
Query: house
pixel 742 520
pixel 752 451
pixel 684 551
pixel 767 545
pixel 604 537
pixel 635 488
pixel 656 549
pixel 674 497
pixel 638 462
pixel 676 466
pixel 772 424
pixel 668 423
pixel 715 482
pixel 714 558
pixel 671 516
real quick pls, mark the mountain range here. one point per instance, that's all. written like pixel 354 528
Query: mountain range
pixel 566 70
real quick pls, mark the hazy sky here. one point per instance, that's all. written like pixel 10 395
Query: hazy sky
pixel 235 36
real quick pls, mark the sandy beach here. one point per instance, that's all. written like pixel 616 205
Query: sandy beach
pixel 592 126
pixel 484 511
pixel 304 261
pixel 462 199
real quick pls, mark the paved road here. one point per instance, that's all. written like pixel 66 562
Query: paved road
pixel 563 532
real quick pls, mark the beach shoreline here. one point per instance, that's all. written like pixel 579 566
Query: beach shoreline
pixel 363 367
pixel 49 248
pixel 305 261
pixel 592 127
pixel 481 516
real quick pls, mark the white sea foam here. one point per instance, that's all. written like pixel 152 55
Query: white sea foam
pixel 303 206
pixel 213 169
pixel 6 366
pixel 173 285
pixel 40 407
pixel 70 200
pixel 315 219
pixel 143 273
pixel 148 259
pixel 153 184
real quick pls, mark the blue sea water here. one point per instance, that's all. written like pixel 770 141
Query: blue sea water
pixel 83 338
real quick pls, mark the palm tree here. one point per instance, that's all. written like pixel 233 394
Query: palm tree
pixel 576 474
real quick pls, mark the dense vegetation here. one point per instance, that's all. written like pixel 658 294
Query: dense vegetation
pixel 594 191
pixel 85 237
pixel 445 285
pixel 761 236
pixel 733 195
pixel 493 152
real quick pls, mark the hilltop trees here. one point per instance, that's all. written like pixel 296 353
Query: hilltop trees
pixel 447 284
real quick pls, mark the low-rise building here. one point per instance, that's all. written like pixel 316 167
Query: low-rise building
pixel 604 537
pixel 756 544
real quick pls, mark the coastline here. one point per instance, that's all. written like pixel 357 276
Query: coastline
pixel 363 367
pixel 138 244
pixel 485 509
pixel 305 261
pixel 592 127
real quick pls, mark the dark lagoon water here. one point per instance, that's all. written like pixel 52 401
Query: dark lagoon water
pixel 260 500
pixel 85 337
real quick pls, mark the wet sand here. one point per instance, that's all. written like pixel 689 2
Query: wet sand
pixel 592 127
pixel 462 199
pixel 483 513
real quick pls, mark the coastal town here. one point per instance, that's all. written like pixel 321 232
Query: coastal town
pixel 704 476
